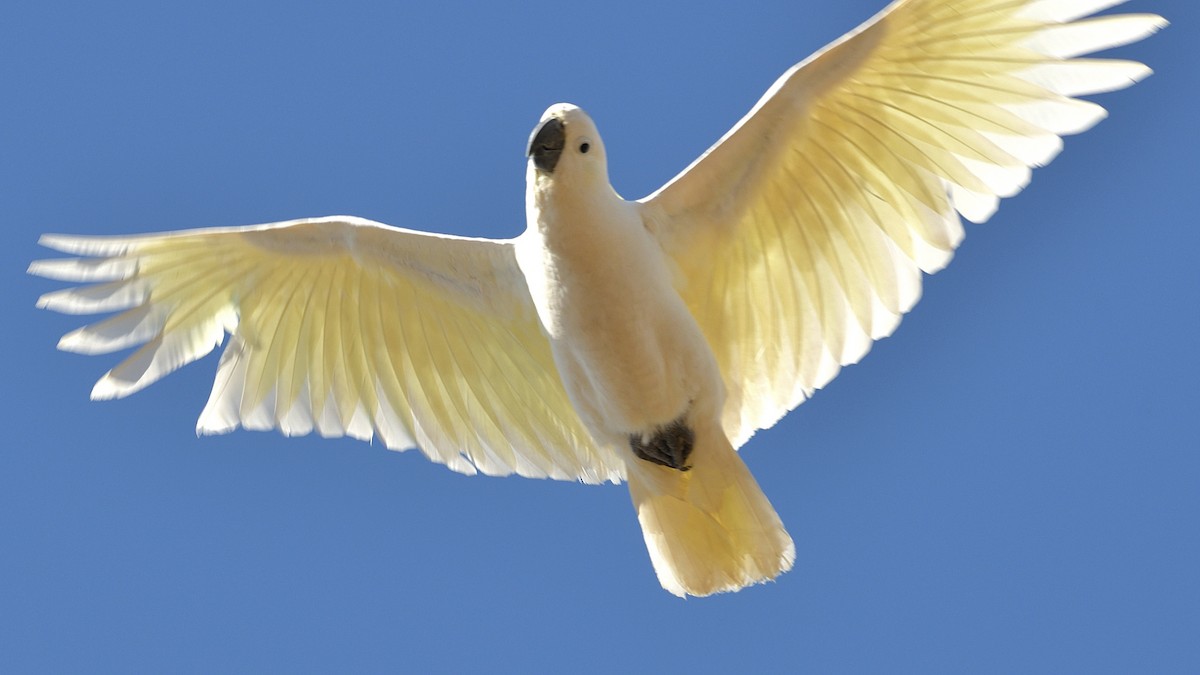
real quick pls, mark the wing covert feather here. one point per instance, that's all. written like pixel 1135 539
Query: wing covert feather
pixel 801 236
pixel 339 325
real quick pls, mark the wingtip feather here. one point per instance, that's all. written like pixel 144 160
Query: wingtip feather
pixel 85 245
pixel 107 389
pixel 1096 34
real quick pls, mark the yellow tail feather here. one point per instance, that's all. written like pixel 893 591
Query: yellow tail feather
pixel 709 529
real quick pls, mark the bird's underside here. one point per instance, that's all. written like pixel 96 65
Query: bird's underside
pixel 627 340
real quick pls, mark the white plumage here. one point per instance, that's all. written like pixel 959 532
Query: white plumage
pixel 692 317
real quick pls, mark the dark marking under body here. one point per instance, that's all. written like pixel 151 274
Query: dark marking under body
pixel 669 446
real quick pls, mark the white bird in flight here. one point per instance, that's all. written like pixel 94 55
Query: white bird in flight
pixel 627 340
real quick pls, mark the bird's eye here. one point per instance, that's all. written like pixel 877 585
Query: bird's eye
pixel 584 147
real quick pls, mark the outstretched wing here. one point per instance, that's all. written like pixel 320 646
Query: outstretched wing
pixel 801 235
pixel 341 325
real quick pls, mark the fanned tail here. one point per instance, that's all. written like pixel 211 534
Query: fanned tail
pixel 709 529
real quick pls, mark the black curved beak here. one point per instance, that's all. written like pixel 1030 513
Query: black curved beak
pixel 546 144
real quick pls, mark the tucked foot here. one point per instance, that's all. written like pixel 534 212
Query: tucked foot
pixel 669 446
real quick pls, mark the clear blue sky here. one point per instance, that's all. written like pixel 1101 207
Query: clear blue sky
pixel 1009 484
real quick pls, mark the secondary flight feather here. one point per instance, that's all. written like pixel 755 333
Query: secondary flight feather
pixel 627 340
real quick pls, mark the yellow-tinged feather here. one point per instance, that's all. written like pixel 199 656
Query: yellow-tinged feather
pixel 344 326
pixel 811 217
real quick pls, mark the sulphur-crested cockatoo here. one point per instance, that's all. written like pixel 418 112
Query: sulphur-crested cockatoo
pixel 627 340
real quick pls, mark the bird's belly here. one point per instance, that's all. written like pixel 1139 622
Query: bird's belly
pixel 634 359
pixel 630 355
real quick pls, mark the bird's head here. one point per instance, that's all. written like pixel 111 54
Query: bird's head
pixel 565 146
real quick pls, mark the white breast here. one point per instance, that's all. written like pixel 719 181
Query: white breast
pixel 629 352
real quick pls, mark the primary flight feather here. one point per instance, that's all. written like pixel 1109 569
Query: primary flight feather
pixel 628 340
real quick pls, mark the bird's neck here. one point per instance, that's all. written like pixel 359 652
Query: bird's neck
pixel 567 212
